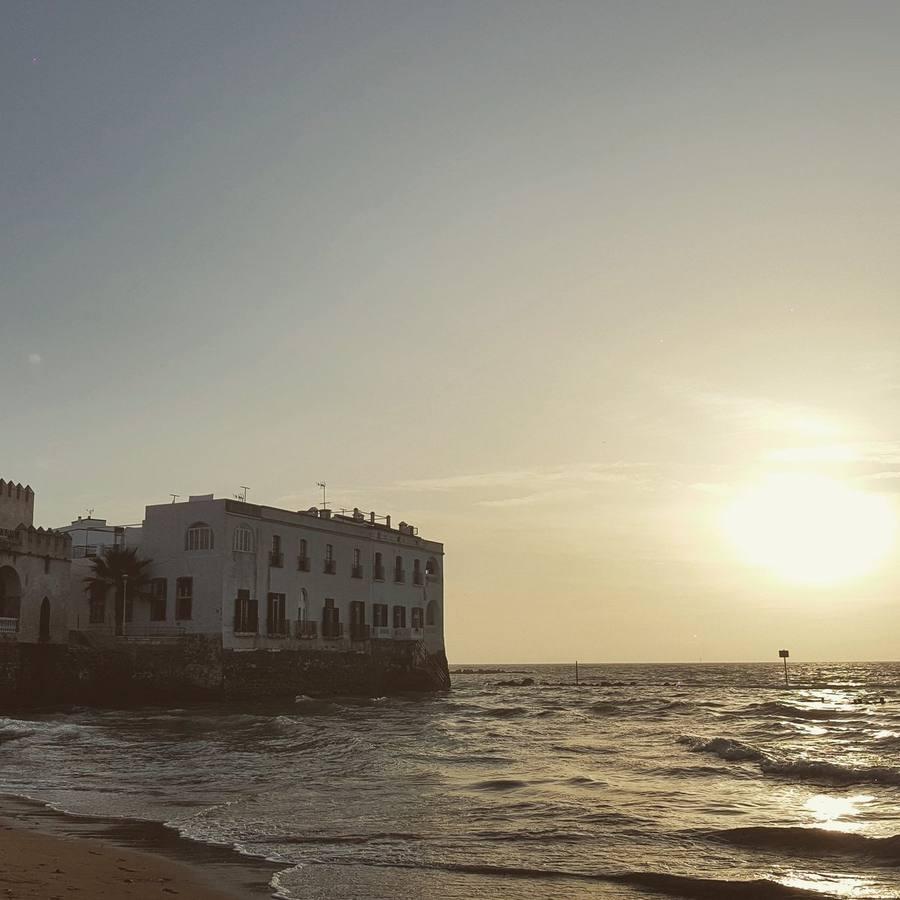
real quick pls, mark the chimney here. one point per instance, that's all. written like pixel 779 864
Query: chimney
pixel 387 521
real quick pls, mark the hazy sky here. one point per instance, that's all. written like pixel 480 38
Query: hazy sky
pixel 553 281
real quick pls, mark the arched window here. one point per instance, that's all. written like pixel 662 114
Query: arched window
pixel 243 539
pixel 199 537
pixel 431 613
pixel 431 569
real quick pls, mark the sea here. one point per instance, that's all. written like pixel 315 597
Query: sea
pixel 696 781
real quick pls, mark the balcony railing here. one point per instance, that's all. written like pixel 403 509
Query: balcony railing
pixel 356 572
pixel 379 573
pixel 382 632
pixel 302 563
pixel 307 631
pixel 417 578
pixel 9 626
pixel 399 576
pixel 402 634
pixel 417 633
pixel 277 628
pixel 276 559
pixel 330 567
pixel 151 632
pixel 332 631
pixel 359 632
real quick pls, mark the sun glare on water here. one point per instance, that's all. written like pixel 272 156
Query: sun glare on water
pixel 809 529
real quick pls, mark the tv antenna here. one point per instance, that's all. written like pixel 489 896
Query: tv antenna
pixel 242 496
pixel 174 497
pixel 321 484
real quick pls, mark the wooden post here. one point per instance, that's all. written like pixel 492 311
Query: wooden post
pixel 576 671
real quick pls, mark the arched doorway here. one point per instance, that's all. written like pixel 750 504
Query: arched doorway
pixel 10 599
pixel 44 630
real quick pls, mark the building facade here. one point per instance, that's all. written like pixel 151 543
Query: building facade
pixel 35 572
pixel 267 578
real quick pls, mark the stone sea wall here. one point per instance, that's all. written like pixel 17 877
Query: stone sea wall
pixel 197 668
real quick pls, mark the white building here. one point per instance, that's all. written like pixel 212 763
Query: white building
pixel 90 536
pixel 268 578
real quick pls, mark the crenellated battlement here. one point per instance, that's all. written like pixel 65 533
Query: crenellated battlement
pixel 16 505
pixel 36 542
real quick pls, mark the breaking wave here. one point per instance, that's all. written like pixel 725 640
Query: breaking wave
pixel 811 840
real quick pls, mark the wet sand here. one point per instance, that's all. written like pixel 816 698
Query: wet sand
pixel 46 855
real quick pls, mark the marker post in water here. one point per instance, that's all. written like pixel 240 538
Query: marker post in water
pixel 576 671
pixel 784 654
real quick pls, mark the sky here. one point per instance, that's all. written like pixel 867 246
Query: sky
pixel 558 282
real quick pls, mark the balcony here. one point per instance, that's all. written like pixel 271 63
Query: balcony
pixel 278 629
pixel 9 626
pixel 307 631
pixel 302 563
pixel 359 632
pixel 330 567
pixel 417 633
pixel 356 572
pixel 402 634
pixel 379 573
pixel 399 576
pixel 382 632
pixel 332 631
pixel 276 559
pixel 417 578
pixel 152 632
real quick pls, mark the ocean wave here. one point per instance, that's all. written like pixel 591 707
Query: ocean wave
pixel 724 748
pixel 781 709
pixel 499 784
pixel 831 773
pixel 811 840
pixel 685 886
pixel 605 708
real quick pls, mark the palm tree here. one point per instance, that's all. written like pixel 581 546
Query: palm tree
pixel 117 567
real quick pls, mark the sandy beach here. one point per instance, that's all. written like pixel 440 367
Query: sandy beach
pixel 46 867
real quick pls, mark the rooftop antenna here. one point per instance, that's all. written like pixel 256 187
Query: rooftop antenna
pixel 242 496
pixel 174 497
pixel 321 484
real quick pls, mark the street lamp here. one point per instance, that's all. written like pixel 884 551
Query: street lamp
pixel 124 601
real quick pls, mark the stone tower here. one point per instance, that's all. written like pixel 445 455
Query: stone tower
pixel 16 505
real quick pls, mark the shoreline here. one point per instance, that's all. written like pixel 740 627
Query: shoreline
pixel 49 854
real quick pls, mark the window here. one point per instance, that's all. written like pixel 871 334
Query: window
pixel 184 598
pixel 357 570
pixel 329 552
pixel 199 537
pixel 379 568
pixel 399 617
pixel 304 551
pixel 159 588
pixel 417 571
pixel 331 620
pixel 416 617
pixel 303 606
pixel 399 574
pixel 97 605
pixel 276 557
pixel 356 556
pixel 303 557
pixel 276 618
pixel 245 613
pixel 379 615
pixel 243 539
pixel 330 564
pixel 431 613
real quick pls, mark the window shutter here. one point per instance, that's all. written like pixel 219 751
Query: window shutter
pixel 270 620
pixel 253 615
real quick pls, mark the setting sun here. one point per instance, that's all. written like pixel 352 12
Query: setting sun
pixel 810 529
